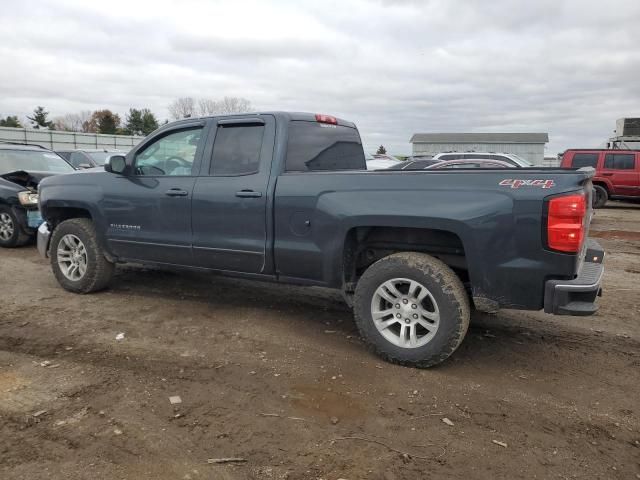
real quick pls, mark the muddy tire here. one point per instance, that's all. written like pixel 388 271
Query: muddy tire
pixel 600 196
pixel 77 260
pixel 411 309
pixel 10 234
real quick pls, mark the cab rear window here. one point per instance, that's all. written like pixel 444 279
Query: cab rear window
pixel 315 146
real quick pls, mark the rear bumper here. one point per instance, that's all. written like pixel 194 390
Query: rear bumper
pixel 577 296
pixel 44 237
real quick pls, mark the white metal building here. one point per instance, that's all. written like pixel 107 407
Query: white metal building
pixel 529 146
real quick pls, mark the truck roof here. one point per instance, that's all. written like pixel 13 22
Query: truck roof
pixel 305 116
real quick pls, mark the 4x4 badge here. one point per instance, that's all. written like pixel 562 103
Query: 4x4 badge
pixel 515 183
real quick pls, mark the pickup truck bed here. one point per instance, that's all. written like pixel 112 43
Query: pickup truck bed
pixel 285 197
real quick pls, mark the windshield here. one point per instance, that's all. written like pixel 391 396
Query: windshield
pixel 32 160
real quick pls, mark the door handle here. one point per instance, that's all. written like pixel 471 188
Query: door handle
pixel 176 192
pixel 248 194
pixel 607 174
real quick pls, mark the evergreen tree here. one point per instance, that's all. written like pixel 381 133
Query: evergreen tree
pixel 10 121
pixel 381 150
pixel 104 121
pixel 39 119
pixel 134 123
pixel 149 121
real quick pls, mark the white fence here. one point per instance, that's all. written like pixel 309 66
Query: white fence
pixel 57 140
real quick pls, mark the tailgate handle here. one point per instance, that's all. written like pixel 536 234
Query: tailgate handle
pixel 176 192
pixel 248 194
pixel 607 174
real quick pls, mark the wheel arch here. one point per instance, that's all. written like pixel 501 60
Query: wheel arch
pixel 604 184
pixel 55 213
pixel 364 245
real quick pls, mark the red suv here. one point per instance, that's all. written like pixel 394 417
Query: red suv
pixel 617 172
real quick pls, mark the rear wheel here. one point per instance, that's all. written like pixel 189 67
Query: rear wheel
pixel 600 196
pixel 412 309
pixel 77 260
pixel 10 233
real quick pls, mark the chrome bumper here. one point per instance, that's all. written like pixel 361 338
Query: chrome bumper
pixel 44 237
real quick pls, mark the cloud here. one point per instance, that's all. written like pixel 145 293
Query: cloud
pixel 395 67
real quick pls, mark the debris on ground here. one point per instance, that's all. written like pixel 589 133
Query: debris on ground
pixel 120 336
pixel 447 421
pixel 219 461
pixel 502 444
pixel 175 400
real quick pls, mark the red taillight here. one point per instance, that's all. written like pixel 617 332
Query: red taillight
pixel 566 223
pixel 320 118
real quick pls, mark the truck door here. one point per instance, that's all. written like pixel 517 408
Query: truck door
pixel 230 198
pixel 148 211
pixel 621 169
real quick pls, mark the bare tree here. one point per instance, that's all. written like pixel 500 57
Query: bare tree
pixel 73 122
pixel 227 105
pixel 207 106
pixel 184 107
pixel 233 105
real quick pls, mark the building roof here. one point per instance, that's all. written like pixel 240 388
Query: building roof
pixel 480 138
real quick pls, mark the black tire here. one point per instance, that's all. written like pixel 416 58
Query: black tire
pixel 98 269
pixel 600 196
pixel 18 237
pixel 447 291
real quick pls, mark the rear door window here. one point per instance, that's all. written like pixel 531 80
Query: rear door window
pixel 236 150
pixel 584 160
pixel 315 146
pixel 619 161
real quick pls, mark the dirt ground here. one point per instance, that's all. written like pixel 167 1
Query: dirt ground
pixel 278 377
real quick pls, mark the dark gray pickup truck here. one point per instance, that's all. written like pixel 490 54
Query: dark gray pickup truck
pixel 285 197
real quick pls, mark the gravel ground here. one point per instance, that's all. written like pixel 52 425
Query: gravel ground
pixel 278 377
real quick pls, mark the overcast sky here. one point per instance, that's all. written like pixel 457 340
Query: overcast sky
pixel 569 68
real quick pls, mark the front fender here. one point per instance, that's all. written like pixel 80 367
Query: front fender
pixel 59 201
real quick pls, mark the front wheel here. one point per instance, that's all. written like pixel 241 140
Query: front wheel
pixel 412 309
pixel 77 260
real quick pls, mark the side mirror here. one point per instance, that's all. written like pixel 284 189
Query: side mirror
pixel 115 164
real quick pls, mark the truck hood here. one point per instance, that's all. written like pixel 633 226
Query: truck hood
pixel 26 179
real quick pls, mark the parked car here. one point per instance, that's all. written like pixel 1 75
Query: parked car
pixel 476 163
pixel 379 162
pixel 88 158
pixel 418 157
pixel 414 163
pixel 21 169
pixel 617 172
pixel 511 158
pixel 386 156
pixel 286 197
